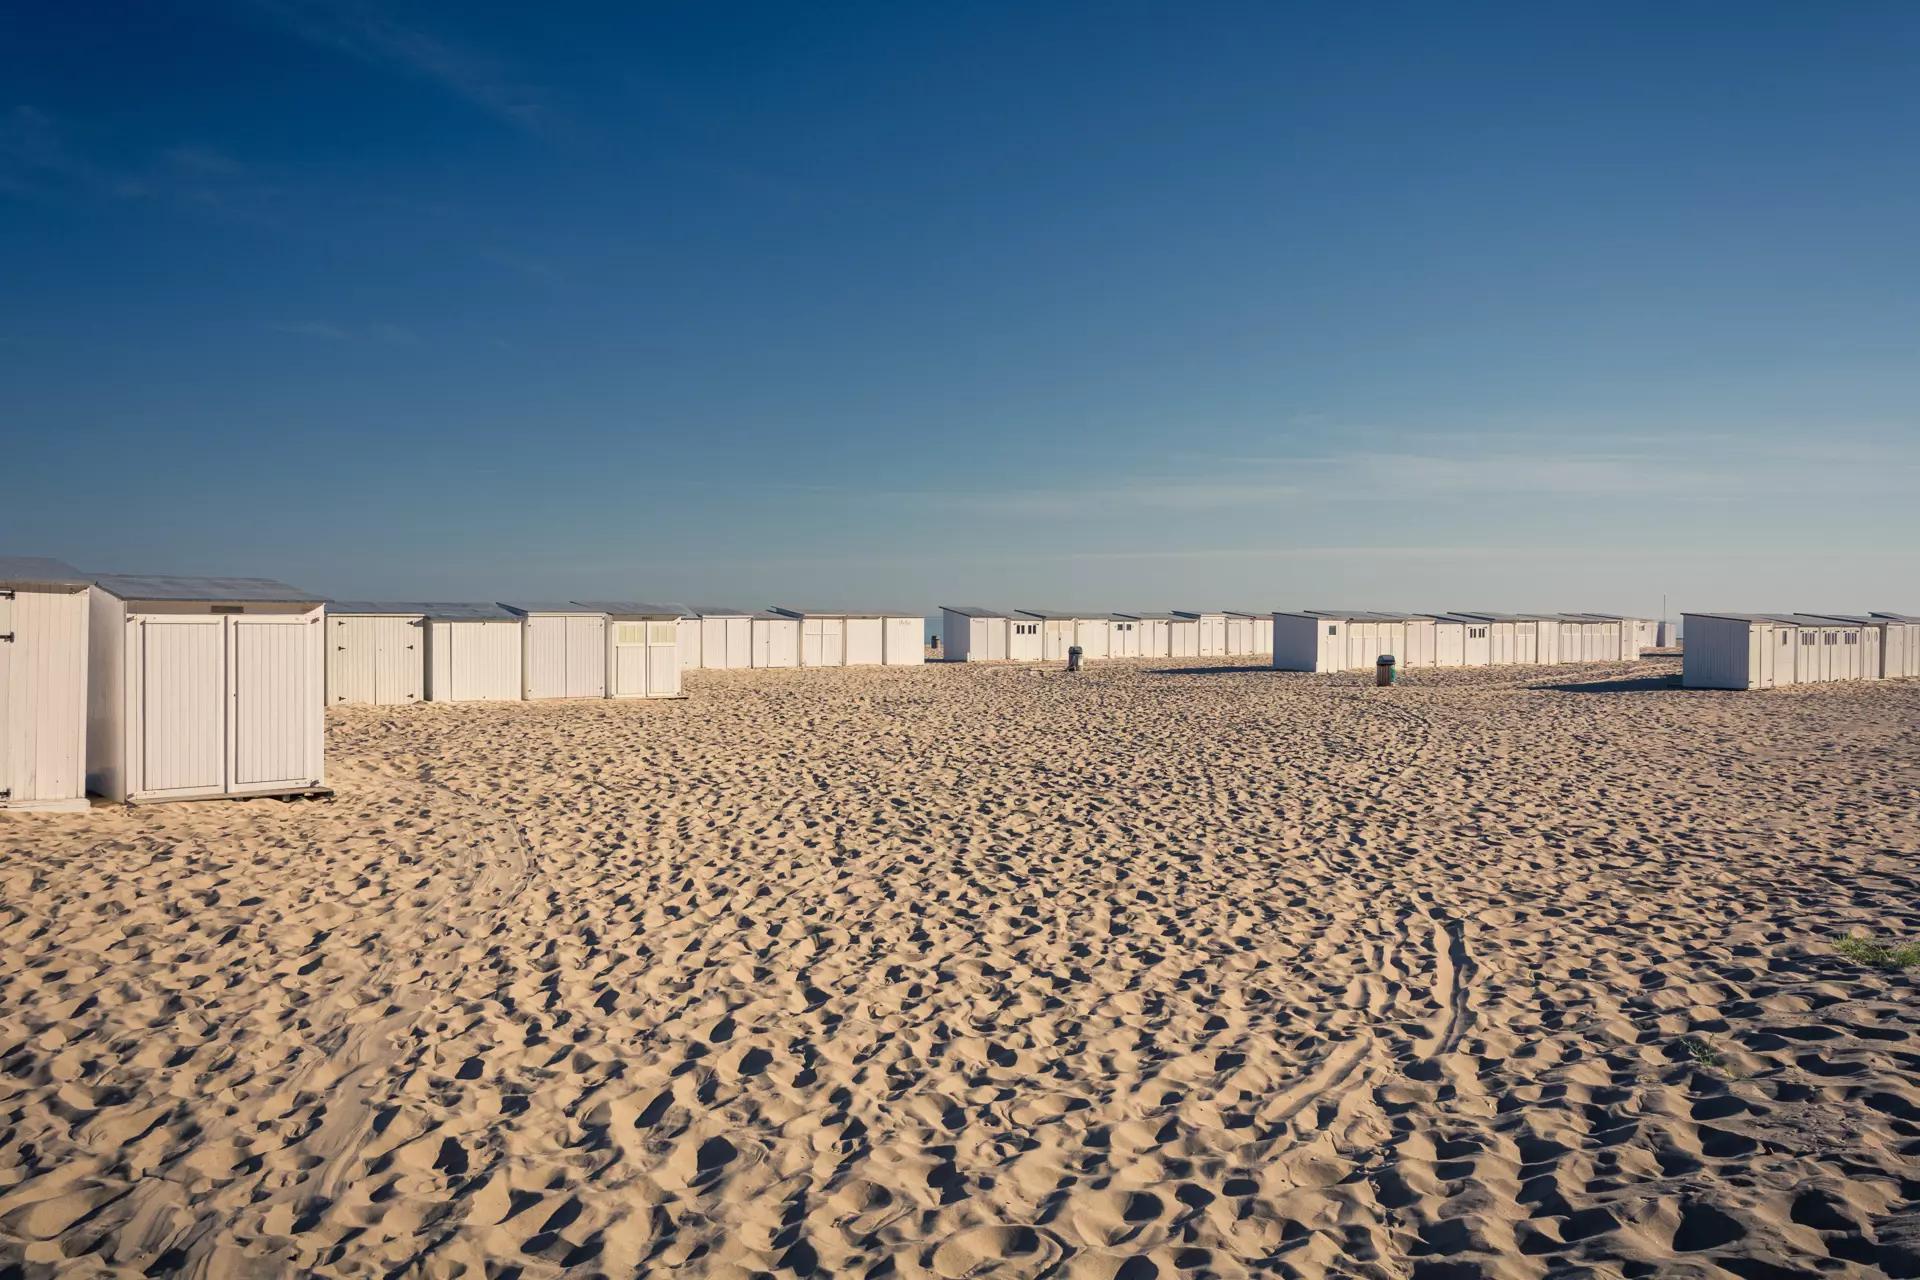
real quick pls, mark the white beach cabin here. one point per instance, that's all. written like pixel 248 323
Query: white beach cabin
pixel 970 633
pixel 1516 639
pixel 43 685
pixel 204 687
pixel 1254 631
pixel 1151 630
pixel 1766 651
pixel 563 650
pixel 724 639
pixel 643 648
pixel 1899 645
pixel 1324 640
pixel 1056 632
pixel 1123 636
pixel 776 640
pixel 474 653
pixel 376 653
pixel 1211 632
pixel 837 638
pixel 903 640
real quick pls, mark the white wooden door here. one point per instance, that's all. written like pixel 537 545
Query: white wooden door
pixel 180 699
pixel 586 657
pixel 630 669
pixel 663 662
pixel 351 643
pixel 690 646
pixel 546 657
pixel 271 675
pixel 400 674
pixel 812 643
pixel 739 642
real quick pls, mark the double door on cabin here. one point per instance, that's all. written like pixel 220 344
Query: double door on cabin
pixel 566 656
pixel 376 660
pixel 823 642
pixel 645 659
pixel 222 705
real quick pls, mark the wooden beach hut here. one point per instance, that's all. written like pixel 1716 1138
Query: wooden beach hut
pixel 1318 640
pixel 1766 651
pixel 776 640
pixel 642 658
pixel 724 637
pixel 1899 645
pixel 904 641
pixel 971 633
pixel 474 653
pixel 204 687
pixel 837 638
pixel 1152 634
pixel 1210 631
pixel 44 617
pixel 563 650
pixel 376 653
pixel 1123 636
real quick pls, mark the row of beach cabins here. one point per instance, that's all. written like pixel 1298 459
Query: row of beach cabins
pixel 145 688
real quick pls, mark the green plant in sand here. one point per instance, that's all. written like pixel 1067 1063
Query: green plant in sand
pixel 1876 954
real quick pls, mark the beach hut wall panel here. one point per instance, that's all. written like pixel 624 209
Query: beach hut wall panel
pixel 776 641
pixel 726 639
pixel 905 642
pixel 1094 636
pixel 866 642
pixel 473 653
pixel 563 651
pixel 1729 652
pixel 376 654
pixel 687 635
pixel 1449 644
pixel 1056 637
pixel 1297 642
pixel 1183 638
pixel 1123 636
pixel 204 687
pixel 969 633
pixel 1476 644
pixel 1239 633
pixel 44 617
pixel 1899 644
pixel 1155 638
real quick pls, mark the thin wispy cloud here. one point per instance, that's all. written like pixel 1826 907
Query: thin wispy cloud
pixel 38 152
pixel 367 30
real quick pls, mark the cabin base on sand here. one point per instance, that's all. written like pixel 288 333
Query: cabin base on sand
pixel 299 793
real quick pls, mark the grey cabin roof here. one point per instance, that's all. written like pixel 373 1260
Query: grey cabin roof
pixel 437 611
pixel 1199 613
pixel 972 611
pixel 1145 617
pixel 1896 617
pixel 1790 619
pixel 631 608
pixel 138 586
pixel 1054 616
pixel 716 611
pixel 562 606
pixel 790 612
pixel 41 571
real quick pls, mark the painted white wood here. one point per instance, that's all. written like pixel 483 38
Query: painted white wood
pixel 663 659
pixel 689 640
pixel 903 643
pixel 375 658
pixel 275 702
pixel 823 642
pixel 43 697
pixel 1024 640
pixel 865 642
pixel 180 692
pixel 776 642
pixel 8 628
pixel 586 657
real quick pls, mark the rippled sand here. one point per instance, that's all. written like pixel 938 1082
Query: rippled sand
pixel 992 971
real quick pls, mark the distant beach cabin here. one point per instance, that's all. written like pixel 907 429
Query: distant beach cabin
pixel 835 638
pixel 1320 640
pixel 1586 637
pixel 903 640
pixel 44 606
pixel 970 633
pixel 725 639
pixel 776 640
pixel 1151 633
pixel 376 653
pixel 1767 651
pixel 1211 632
pixel 643 648
pixel 1623 641
pixel 563 650
pixel 473 653
pixel 1898 642
pixel 204 687
pixel 1056 632
pixel 1123 635
pixel 1249 634
pixel 1515 639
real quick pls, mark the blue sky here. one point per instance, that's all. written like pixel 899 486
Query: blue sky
pixel 1104 305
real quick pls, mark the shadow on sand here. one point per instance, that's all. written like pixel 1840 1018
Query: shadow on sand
pixel 1207 671
pixel 1635 684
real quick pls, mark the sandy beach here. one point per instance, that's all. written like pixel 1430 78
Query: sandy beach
pixel 1160 969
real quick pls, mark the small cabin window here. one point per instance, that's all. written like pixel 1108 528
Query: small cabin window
pixel 1784 637
pixel 663 632
pixel 1852 638
pixel 229 608
pixel 1333 631
pixel 1806 637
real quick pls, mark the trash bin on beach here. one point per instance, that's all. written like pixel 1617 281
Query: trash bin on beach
pixel 1073 658
pixel 1383 670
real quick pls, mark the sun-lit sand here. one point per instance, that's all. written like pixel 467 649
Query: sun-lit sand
pixel 994 971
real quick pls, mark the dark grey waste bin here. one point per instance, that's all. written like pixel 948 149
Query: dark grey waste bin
pixel 1383 669
pixel 1073 658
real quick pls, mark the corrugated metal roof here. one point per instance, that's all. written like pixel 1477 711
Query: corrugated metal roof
pixel 43 570
pixel 138 586
pixel 835 613
pixel 562 606
pixel 972 611
pixel 438 611
pixel 1050 616
pixel 1896 617
pixel 1199 613
pixel 632 608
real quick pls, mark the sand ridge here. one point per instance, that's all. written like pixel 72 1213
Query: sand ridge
pixel 1168 968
